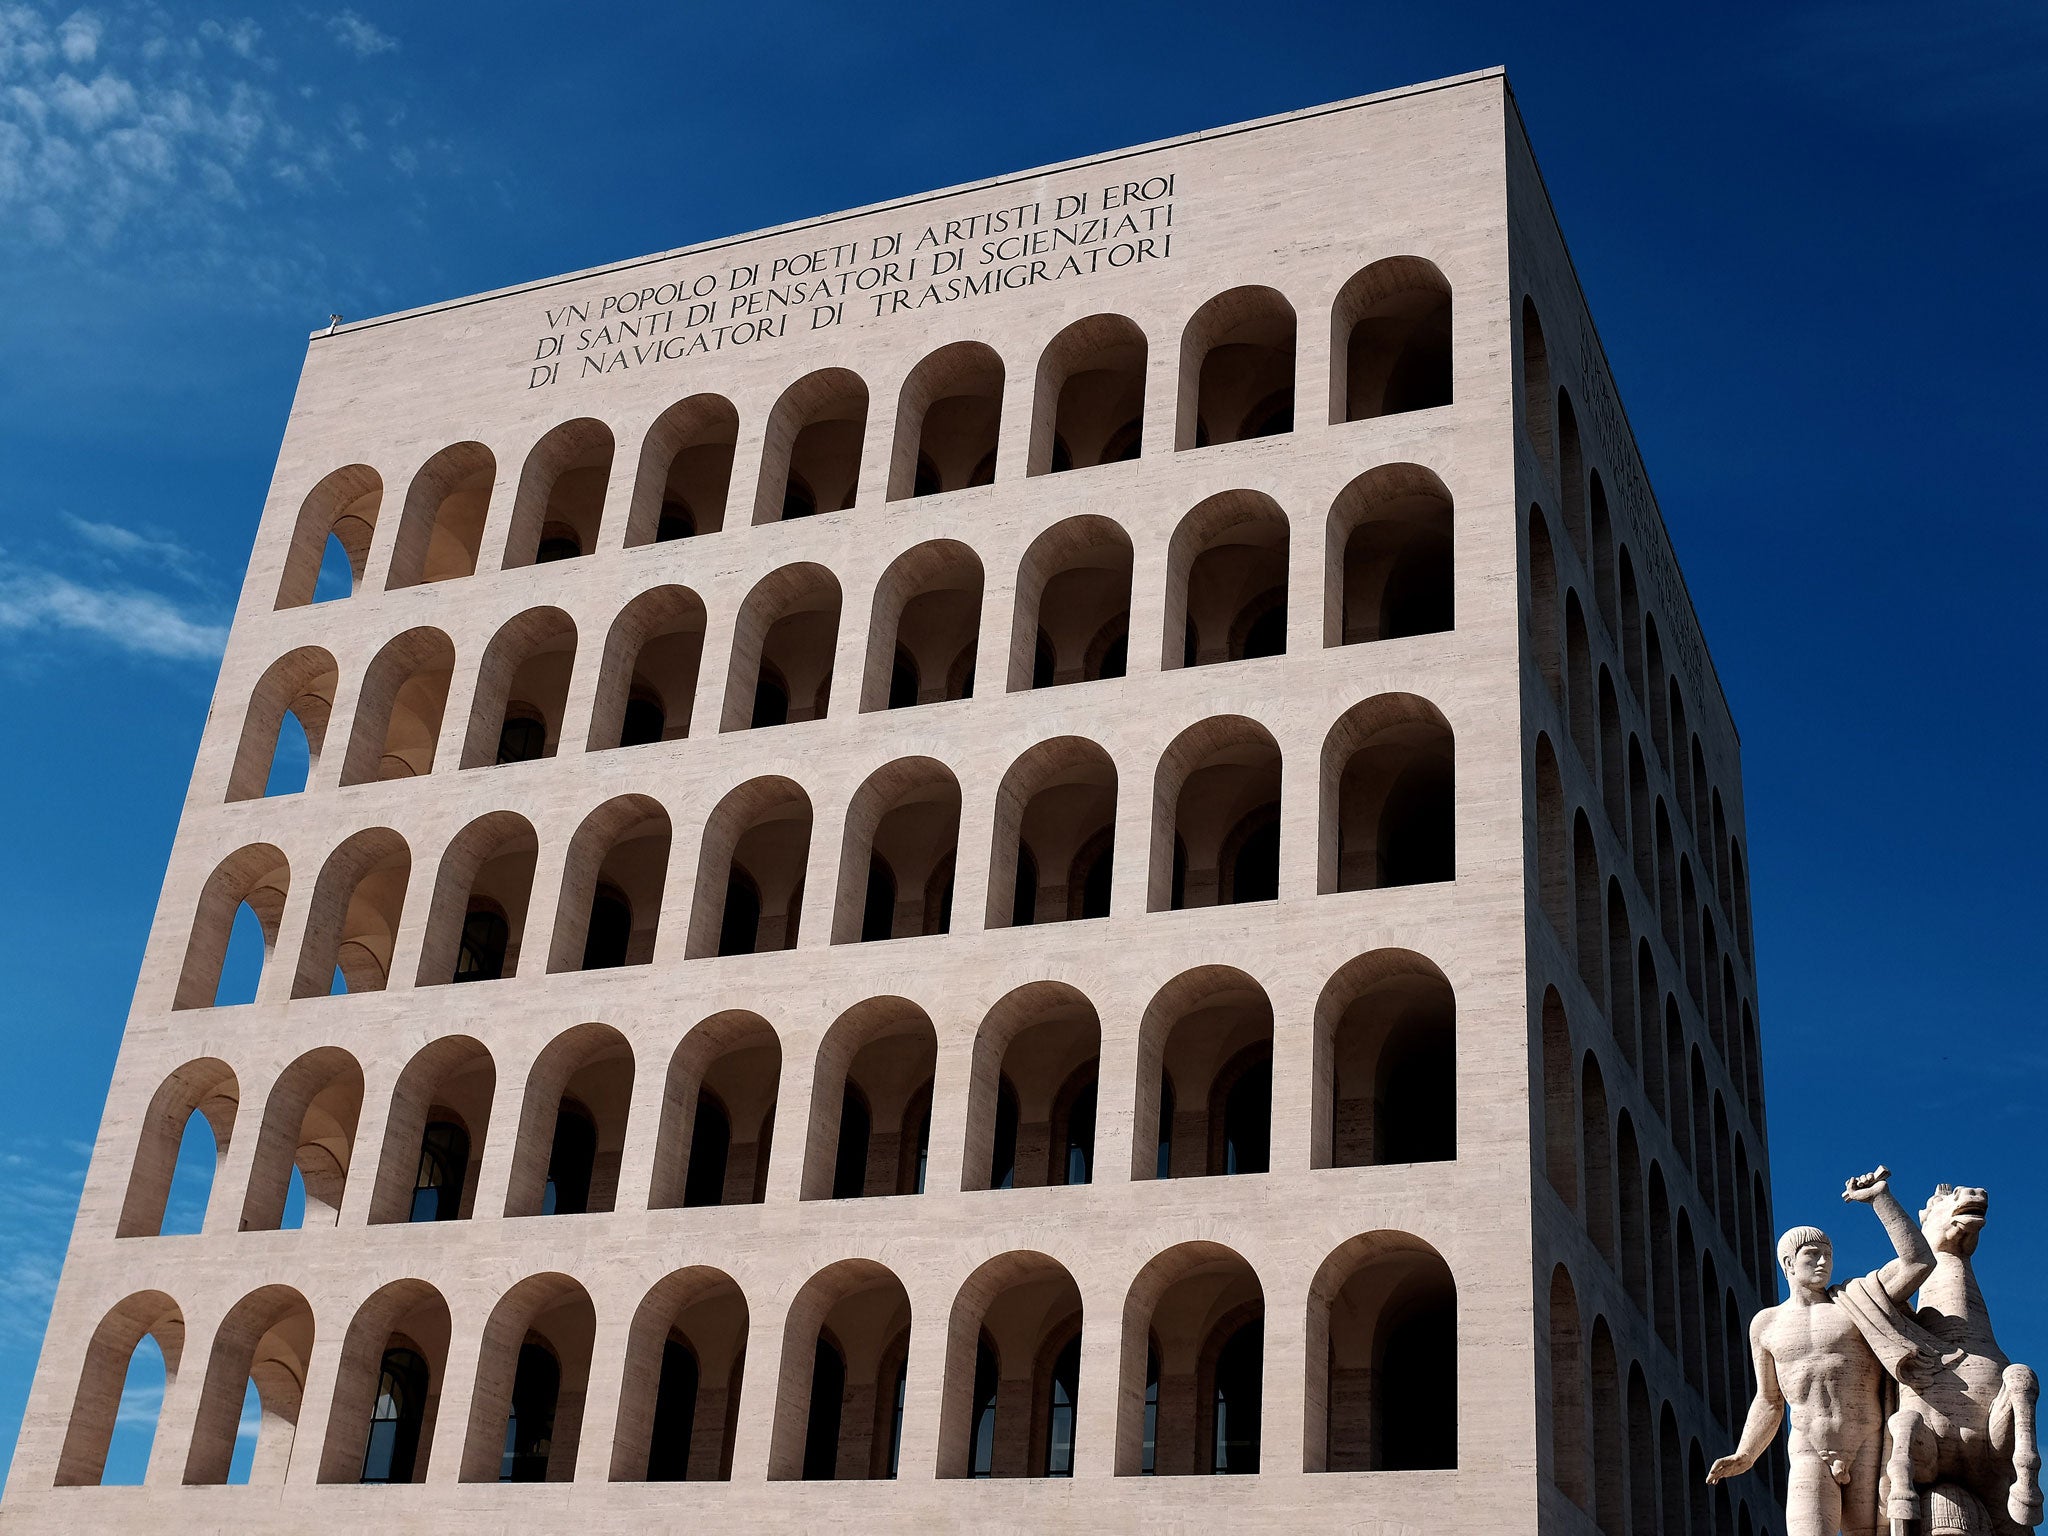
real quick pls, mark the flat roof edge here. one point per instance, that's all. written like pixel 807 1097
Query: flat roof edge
pixel 911 200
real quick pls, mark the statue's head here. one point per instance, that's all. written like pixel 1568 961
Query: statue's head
pixel 1953 1218
pixel 1807 1257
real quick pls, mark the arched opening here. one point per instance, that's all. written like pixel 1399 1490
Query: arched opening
pixel 1192 1366
pixel 1571 477
pixel 258 878
pixel 1205 1078
pixel 1032 1096
pixel 1589 932
pixel 399 709
pixel 1226 582
pixel 946 422
pixel 1536 407
pixel 1383 1321
pixel 294 695
pixel 352 922
pixel 1610 1473
pixel 1389 797
pixel 612 884
pixel 750 872
pixel 782 650
pixel 685 472
pixel 1385 1085
pixel 572 1126
pixel 1560 1102
pixel 434 1135
pixel 896 862
pixel 559 506
pixel 441 527
pixel 1545 649
pixel 388 1387
pixel 1391 325
pixel 1671 1470
pixel 1053 857
pixel 526 1408
pixel 1216 817
pixel 1237 369
pixel 309 1127
pixel 478 917
pixel 679 1405
pixel 340 512
pixel 1387 561
pixel 1629 1190
pixel 1012 1371
pixel 923 631
pixel 718 1115
pixel 196 1104
pixel 264 1343
pixel 1663 1276
pixel 1089 407
pixel 1568 1445
pixel 810 460
pixel 522 688
pixel 839 1405
pixel 1073 618
pixel 647 678
pixel 1642 1454
pixel 1596 1156
pixel 871 1103
pixel 112 1366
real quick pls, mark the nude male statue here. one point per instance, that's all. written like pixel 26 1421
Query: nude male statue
pixel 1824 1353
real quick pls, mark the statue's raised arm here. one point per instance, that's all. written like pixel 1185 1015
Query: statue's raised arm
pixel 1915 1262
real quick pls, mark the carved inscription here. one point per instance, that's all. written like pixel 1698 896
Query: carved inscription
pixel 805 289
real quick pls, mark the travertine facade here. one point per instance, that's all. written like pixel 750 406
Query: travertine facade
pixel 1003 704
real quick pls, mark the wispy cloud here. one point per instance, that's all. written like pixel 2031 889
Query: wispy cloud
pixel 121 122
pixel 127 618
pixel 360 37
pixel 125 545
pixel 39 1186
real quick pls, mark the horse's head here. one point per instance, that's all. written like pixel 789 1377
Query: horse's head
pixel 1953 1218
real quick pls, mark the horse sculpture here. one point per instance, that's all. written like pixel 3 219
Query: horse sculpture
pixel 1964 1460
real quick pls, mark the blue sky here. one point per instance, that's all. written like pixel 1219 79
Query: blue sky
pixel 1810 234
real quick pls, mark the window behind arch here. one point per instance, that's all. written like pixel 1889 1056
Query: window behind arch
pixel 570 1162
pixel 523 737
pixel 530 1426
pixel 710 1150
pixel 1248 1121
pixel 610 932
pixel 1065 1395
pixel 1240 1367
pixel 485 937
pixel 1079 1160
pixel 444 1164
pixel 645 721
pixel 987 1384
pixel 675 1414
pixel 396 1418
pixel 821 1431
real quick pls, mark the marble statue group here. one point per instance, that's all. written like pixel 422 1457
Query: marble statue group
pixel 1912 1417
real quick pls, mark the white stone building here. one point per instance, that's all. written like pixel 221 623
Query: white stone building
pixel 1091 836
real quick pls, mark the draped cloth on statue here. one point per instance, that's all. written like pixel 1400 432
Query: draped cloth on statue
pixel 1907 1351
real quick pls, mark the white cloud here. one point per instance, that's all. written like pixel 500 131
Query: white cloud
pixel 79 37
pixel 38 1198
pixel 360 37
pixel 121 125
pixel 127 618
